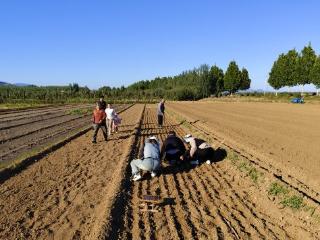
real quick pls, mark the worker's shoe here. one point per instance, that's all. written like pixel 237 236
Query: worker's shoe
pixel 208 162
pixel 195 162
pixel 136 177
pixel 153 174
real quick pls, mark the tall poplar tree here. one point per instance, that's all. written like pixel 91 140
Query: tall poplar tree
pixel 232 77
pixel 291 68
pixel 245 80
pixel 216 80
pixel 277 75
pixel 304 65
pixel 315 74
pixel 284 70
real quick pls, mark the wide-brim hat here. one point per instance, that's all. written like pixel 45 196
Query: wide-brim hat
pixel 187 138
pixel 153 138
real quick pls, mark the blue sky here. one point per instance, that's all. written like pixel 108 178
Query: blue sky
pixel 114 43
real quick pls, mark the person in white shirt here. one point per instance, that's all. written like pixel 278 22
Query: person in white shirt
pixel 200 151
pixel 110 118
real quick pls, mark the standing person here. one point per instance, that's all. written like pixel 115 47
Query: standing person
pixel 99 117
pixel 103 104
pixel 160 112
pixel 173 148
pixel 151 159
pixel 110 116
pixel 200 151
pixel 116 122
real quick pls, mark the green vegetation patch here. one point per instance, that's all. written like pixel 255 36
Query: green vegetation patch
pixel 245 166
pixel 277 189
pixel 294 202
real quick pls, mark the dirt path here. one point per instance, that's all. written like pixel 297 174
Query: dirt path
pixel 64 195
pixel 284 137
pixel 204 202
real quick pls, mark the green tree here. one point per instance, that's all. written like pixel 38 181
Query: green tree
pixel 232 77
pixel 204 80
pixel 291 68
pixel 245 80
pixel 315 73
pixel 216 80
pixel 284 70
pixel 276 75
pixel 304 65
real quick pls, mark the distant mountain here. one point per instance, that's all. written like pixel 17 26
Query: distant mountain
pixel 3 83
pixel 15 84
pixel 22 84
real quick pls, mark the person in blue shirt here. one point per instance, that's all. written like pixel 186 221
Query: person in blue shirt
pixel 151 159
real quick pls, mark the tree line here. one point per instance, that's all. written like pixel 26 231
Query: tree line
pixel 293 68
pixel 198 83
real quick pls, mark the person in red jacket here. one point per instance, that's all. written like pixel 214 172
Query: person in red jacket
pixel 99 119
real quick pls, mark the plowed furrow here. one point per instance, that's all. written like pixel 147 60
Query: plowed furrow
pixel 201 203
pixel 23 114
pixel 12 149
pixel 180 210
pixel 232 221
pixel 235 215
pixel 31 120
pixel 168 220
pixel 211 207
pixel 205 202
pixel 246 209
pixel 22 131
pixel 64 195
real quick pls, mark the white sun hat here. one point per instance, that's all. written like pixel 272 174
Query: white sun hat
pixel 187 138
pixel 153 137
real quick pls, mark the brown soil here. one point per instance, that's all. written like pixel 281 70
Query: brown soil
pixel 64 195
pixel 83 191
pixel 30 129
pixel 203 202
pixel 283 137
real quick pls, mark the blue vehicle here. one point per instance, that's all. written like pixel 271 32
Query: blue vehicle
pixel 297 100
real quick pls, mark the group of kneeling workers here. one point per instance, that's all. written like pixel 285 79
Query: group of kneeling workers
pixel 173 151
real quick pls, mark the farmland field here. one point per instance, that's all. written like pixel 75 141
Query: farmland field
pixel 205 202
pixel 84 191
pixel 22 130
pixel 64 194
pixel 285 136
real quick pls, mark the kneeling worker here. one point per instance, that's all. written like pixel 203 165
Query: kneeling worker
pixel 200 151
pixel 150 161
pixel 173 148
